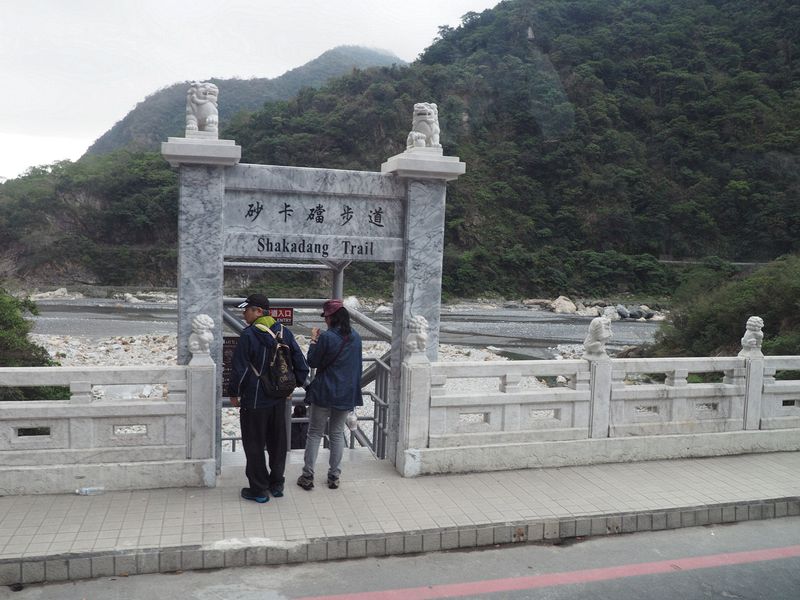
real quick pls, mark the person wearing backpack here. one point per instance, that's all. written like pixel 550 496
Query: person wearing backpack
pixel 335 391
pixel 267 365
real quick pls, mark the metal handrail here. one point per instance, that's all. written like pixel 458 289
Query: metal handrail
pixel 276 266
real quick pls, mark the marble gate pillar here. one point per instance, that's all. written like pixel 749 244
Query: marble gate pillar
pixel 202 161
pixel 418 276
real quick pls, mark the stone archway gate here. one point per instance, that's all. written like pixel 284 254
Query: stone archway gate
pixel 232 211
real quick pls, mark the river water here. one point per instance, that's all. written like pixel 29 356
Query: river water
pixel 516 332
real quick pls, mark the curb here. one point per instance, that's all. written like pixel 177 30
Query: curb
pixel 121 563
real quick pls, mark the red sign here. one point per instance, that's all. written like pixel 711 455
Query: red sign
pixel 282 315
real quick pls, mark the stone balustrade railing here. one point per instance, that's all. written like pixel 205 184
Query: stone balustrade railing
pixel 569 412
pixel 121 428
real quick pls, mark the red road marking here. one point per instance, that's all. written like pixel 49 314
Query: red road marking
pixel 493 586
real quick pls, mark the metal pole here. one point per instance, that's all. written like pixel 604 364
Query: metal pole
pixel 337 289
pixel 337 270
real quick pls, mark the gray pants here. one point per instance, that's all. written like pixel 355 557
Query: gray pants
pixel 316 429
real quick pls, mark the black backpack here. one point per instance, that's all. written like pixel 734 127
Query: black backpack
pixel 278 375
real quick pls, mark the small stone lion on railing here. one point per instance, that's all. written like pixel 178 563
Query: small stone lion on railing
pixel 753 336
pixel 424 127
pixel 201 336
pixel 417 338
pixel 201 107
pixel 595 342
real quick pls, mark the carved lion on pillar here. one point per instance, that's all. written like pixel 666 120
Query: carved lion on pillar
pixel 417 338
pixel 595 342
pixel 424 127
pixel 201 107
pixel 201 337
pixel 753 336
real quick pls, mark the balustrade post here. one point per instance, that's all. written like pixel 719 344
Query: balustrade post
pixel 415 407
pixel 754 385
pixel 754 371
pixel 80 392
pixel 600 403
pixel 201 391
pixel 600 376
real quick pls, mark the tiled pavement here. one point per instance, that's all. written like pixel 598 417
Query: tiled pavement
pixel 376 512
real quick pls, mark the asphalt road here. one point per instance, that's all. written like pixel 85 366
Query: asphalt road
pixel 754 560
pixel 522 333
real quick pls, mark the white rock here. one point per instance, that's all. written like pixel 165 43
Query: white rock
pixel 131 299
pixel 563 305
pixel 59 293
pixel 589 311
pixel 383 309
pixel 610 312
pixel 352 302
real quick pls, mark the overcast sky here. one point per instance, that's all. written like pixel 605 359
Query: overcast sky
pixel 73 68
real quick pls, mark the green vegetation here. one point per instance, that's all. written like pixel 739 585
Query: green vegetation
pixel 602 132
pixel 711 320
pixel 598 136
pixel 162 113
pixel 17 351
pixel 107 219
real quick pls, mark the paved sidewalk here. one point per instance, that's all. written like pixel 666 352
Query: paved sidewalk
pixel 376 512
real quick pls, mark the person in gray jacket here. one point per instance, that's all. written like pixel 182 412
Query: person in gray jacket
pixel 335 391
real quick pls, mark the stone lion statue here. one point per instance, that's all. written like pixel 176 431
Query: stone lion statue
pixel 201 336
pixel 752 338
pixel 424 127
pixel 417 338
pixel 201 107
pixel 595 342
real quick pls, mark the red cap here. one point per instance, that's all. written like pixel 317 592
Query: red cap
pixel 330 307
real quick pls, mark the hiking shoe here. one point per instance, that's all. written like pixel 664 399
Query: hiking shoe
pixel 276 490
pixel 248 494
pixel 307 483
pixel 333 483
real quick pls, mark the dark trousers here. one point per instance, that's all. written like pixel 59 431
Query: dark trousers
pixel 264 427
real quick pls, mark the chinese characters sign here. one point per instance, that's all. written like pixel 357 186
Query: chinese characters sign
pixel 358 217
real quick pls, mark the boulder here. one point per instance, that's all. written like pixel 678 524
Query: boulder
pixel 610 313
pixel 622 311
pixel 647 312
pixel 589 311
pixel 352 302
pixel 563 305
pixel 635 313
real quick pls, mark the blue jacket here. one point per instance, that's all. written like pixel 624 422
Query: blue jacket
pixel 256 347
pixel 338 384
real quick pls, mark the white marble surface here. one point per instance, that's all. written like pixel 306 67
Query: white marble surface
pixel 200 270
pixel 424 163
pixel 200 150
pixel 313 214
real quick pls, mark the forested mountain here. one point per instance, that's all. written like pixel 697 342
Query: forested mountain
pixel 598 136
pixel 162 114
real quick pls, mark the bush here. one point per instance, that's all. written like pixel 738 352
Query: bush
pixel 713 321
pixel 17 351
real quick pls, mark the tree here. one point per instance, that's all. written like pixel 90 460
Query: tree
pixel 17 351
